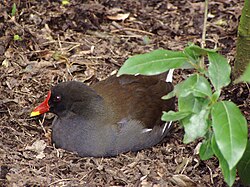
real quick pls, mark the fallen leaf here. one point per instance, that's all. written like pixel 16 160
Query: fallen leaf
pixel 183 181
pixel 119 17
pixel 5 63
pixel 38 146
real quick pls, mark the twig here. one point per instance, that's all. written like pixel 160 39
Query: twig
pixel 211 174
pixel 131 29
pixel 185 166
pixel 59 42
pixel 62 180
pixel 203 39
pixel 248 87
pixel 115 24
pixel 66 42
pixel 128 30
pixel 41 123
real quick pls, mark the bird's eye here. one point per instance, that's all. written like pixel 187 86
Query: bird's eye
pixel 57 98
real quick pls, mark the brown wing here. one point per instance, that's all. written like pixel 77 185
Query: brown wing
pixel 136 97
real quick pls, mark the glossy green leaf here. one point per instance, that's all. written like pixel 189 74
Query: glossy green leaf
pixel 206 151
pixel 192 56
pixel 174 116
pixel 169 95
pixel 229 174
pixel 244 166
pixel 153 63
pixel 219 70
pixel 196 85
pixel 200 51
pixel 192 103
pixel 215 96
pixel 195 52
pixel 230 130
pixel 196 126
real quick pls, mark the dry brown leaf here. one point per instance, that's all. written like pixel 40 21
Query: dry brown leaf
pixel 38 146
pixel 183 181
pixel 119 17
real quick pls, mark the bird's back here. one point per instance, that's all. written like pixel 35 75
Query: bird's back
pixel 138 97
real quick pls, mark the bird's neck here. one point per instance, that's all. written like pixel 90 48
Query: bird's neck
pixel 93 107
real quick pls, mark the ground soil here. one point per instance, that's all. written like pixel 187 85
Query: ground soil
pixel 86 41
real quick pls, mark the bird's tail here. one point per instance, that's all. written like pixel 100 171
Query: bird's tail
pixel 166 76
pixel 170 75
pixel 168 125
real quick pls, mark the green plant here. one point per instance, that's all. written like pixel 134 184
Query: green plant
pixel 13 10
pixel 65 2
pixel 16 37
pixel 200 110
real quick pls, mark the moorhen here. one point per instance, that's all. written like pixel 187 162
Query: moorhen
pixel 113 116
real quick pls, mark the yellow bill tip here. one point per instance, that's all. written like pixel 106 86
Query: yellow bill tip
pixel 35 113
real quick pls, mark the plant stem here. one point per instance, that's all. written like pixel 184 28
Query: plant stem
pixel 203 39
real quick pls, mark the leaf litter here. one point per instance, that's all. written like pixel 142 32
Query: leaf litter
pixel 78 41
